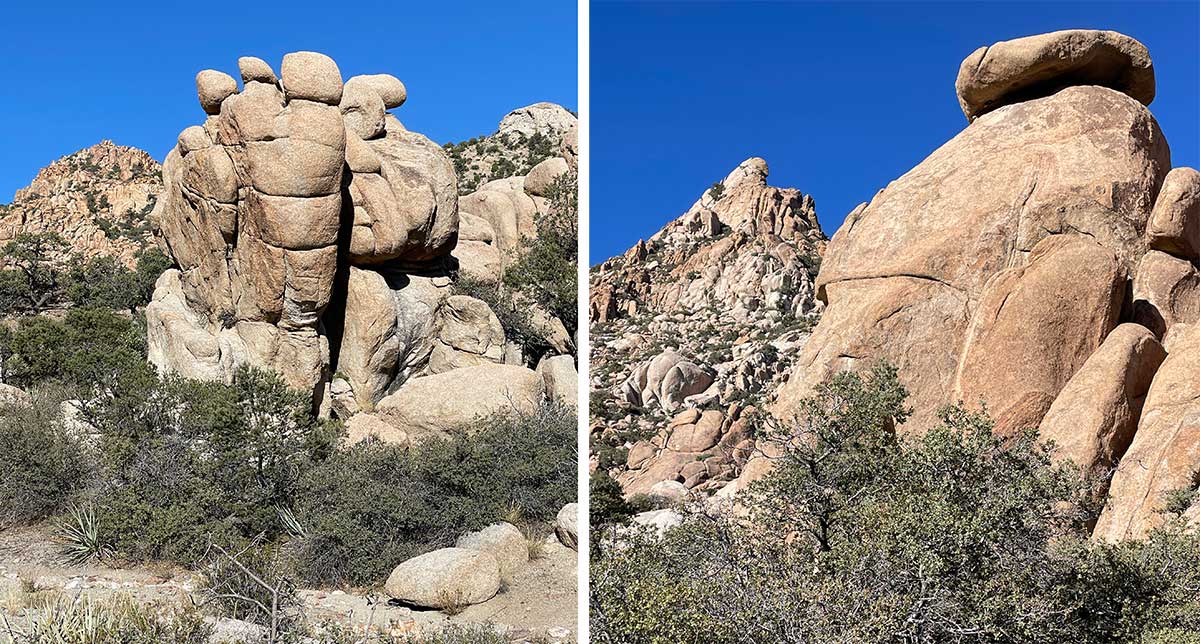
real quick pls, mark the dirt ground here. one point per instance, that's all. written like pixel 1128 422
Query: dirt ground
pixel 538 601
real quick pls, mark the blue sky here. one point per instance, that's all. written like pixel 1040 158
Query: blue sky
pixel 76 72
pixel 839 98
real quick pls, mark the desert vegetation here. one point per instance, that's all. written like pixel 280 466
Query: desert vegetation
pixel 239 482
pixel 860 534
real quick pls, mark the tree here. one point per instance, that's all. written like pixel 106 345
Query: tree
pixel 547 270
pixel 102 281
pixel 36 256
pixel 716 191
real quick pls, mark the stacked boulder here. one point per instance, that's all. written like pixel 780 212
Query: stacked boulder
pixel 314 235
pixel 997 270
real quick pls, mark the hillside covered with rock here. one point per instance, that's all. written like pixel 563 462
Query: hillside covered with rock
pixel 695 328
pixel 525 137
pixel 98 199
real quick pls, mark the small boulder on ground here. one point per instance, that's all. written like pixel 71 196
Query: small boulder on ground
pixel 566 525
pixel 446 578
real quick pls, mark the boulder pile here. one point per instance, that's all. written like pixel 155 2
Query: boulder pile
pixel 317 236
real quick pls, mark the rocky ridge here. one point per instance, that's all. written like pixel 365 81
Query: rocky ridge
pixel 98 199
pixel 694 328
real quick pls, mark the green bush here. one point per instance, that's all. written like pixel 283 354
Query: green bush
pixel 85 349
pixel 860 535
pixel 370 506
pixel 36 280
pixel 42 465
pixel 189 463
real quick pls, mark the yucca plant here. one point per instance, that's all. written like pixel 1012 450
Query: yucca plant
pixel 80 537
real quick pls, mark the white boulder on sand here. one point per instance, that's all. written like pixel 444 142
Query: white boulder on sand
pixel 446 578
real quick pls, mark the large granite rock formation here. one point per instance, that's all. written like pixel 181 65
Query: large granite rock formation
pixel 313 235
pixel 996 270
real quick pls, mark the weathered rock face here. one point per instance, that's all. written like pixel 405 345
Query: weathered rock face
pixel 98 199
pixel 907 274
pixel 424 406
pixel 1094 417
pixel 1165 453
pixel 501 540
pixel 1175 223
pixel 1018 70
pixel 1166 292
pixel 1035 325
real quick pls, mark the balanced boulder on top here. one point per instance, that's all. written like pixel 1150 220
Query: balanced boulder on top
pixel 1018 70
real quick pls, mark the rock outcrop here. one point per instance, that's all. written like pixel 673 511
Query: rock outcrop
pixel 318 237
pixel 905 275
pixel 1042 263
pixel 1164 456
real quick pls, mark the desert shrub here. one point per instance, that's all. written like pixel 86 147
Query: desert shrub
pixel 372 505
pixel 151 264
pixel 250 584
pixel 36 280
pixel 42 465
pixel 861 535
pixel 547 269
pixel 607 506
pixel 716 191
pixel 188 463
pixel 103 281
pixel 85 349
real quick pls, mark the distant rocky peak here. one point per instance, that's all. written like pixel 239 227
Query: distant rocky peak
pixel 745 203
pixel 97 199
pixel 102 162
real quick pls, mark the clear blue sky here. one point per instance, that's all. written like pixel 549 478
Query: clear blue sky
pixel 76 72
pixel 839 98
